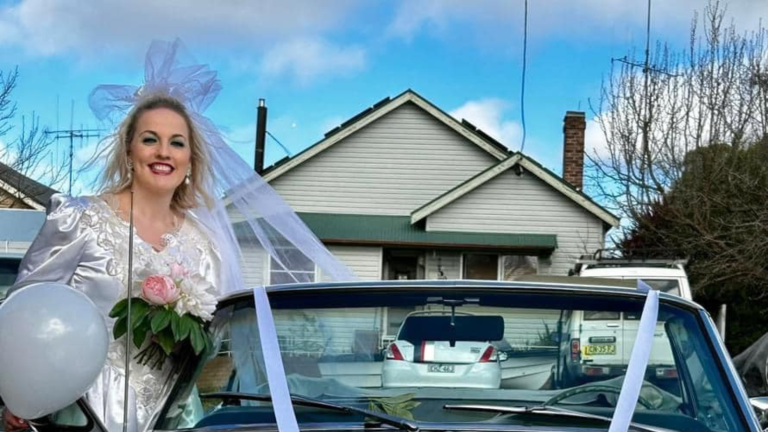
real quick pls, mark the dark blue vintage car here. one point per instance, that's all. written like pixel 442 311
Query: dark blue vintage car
pixel 335 338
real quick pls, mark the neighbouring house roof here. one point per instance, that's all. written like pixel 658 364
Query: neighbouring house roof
pixel 375 112
pixel 398 230
pixel 32 193
pixel 529 165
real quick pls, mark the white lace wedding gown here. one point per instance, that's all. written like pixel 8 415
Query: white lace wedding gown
pixel 84 243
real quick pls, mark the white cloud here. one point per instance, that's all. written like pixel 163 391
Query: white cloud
pixel 488 115
pixel 305 60
pixel 558 17
pixel 413 16
pixel 594 140
pixel 52 27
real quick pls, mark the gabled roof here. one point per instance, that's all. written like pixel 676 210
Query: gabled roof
pixel 32 193
pixel 517 159
pixel 466 129
pixel 375 112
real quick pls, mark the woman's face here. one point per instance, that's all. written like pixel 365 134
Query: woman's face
pixel 160 151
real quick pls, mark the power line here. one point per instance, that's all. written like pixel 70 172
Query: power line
pixel 522 89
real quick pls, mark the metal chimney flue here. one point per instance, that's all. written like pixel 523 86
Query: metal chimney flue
pixel 261 135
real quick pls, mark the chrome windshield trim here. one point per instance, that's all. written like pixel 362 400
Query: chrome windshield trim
pixel 569 284
pixel 731 375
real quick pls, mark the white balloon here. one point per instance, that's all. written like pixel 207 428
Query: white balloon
pixel 53 344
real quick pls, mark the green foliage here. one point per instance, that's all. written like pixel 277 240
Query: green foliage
pixel 400 406
pixel 716 214
pixel 163 327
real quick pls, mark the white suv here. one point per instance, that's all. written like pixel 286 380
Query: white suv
pixel 601 342
pixel 664 275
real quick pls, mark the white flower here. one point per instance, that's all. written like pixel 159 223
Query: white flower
pixel 197 298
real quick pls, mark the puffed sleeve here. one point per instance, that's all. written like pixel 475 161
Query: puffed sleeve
pixel 58 248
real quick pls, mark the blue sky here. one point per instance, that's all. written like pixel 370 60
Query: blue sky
pixel 317 63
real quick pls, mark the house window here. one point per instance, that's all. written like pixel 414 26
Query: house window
pixel 513 266
pixel 295 267
pixel 499 267
pixel 481 266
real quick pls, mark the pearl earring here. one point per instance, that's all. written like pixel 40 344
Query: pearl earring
pixel 130 169
pixel 189 174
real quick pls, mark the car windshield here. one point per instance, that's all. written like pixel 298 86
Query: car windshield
pixel 669 286
pixel 418 353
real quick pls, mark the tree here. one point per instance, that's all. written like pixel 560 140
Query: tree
pixel 716 214
pixel 686 145
pixel 31 152
pixel 652 118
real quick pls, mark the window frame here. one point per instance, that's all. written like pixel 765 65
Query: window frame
pixel 269 270
pixel 499 263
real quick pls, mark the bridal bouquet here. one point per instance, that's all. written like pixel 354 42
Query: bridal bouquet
pixel 170 312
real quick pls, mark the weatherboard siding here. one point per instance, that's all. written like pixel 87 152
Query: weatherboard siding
pixel 365 262
pixel 391 167
pixel 525 204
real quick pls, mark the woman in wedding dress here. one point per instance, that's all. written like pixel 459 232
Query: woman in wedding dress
pixel 162 159
pixel 158 157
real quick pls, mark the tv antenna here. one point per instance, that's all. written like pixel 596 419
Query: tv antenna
pixel 71 134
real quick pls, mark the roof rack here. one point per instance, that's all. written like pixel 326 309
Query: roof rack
pixel 610 258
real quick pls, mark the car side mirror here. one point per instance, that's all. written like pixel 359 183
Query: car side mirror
pixel 760 405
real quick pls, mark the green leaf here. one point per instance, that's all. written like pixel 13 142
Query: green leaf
pixel 410 405
pixel 176 326
pixel 165 339
pixel 186 326
pixel 397 399
pixel 402 413
pixel 120 309
pixel 120 328
pixel 139 311
pixel 196 337
pixel 161 319
pixel 140 334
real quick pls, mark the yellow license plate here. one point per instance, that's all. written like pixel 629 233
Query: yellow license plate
pixel 593 350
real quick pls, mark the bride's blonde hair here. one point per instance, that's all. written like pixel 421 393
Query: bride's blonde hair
pixel 117 178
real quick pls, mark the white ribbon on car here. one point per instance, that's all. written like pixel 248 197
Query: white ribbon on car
pixel 638 362
pixel 273 362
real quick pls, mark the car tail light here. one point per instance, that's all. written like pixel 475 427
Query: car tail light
pixel 575 349
pixel 593 371
pixel 393 353
pixel 666 373
pixel 489 355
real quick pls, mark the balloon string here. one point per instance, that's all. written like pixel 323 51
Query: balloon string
pixel 128 317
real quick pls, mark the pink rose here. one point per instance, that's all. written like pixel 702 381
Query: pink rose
pixel 178 271
pixel 159 290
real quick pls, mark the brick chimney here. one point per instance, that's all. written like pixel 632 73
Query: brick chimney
pixel 574 125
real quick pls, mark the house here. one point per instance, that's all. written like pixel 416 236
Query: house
pixel 22 213
pixel 405 191
pixel 22 209
pixel 21 192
